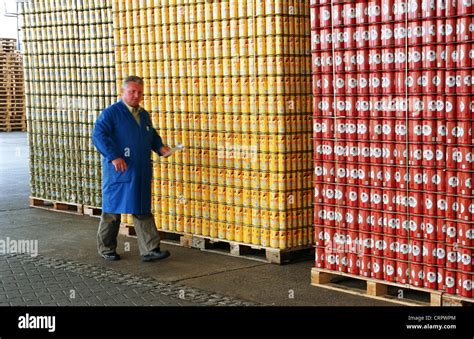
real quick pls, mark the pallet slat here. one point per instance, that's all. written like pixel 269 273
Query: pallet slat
pixel 379 289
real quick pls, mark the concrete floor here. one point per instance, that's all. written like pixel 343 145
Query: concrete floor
pixel 73 237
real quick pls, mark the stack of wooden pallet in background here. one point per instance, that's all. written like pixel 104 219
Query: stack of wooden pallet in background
pixel 12 103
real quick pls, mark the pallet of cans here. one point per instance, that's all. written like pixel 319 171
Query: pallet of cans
pixel 393 144
pixel 12 101
pixel 231 81
pixel 70 79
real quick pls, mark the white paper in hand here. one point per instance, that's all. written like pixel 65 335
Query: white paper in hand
pixel 174 149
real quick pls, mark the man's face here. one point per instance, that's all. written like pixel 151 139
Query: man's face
pixel 133 94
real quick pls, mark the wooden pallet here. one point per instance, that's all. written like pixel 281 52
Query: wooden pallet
pixel 91 211
pixel 58 206
pixel 383 290
pixel 230 248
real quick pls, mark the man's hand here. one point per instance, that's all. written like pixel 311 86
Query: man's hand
pixel 166 151
pixel 120 165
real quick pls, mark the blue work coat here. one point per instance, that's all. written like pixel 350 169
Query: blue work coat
pixel 117 134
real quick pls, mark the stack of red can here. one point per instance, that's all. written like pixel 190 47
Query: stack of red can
pixel 393 140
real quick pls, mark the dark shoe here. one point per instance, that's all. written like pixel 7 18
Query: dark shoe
pixel 155 255
pixel 110 256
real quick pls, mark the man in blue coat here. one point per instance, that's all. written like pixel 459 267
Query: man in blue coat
pixel 125 137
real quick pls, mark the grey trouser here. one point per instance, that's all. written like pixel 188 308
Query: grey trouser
pixel 144 224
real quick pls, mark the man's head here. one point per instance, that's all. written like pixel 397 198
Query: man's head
pixel 132 90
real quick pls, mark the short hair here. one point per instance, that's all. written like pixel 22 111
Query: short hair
pixel 132 78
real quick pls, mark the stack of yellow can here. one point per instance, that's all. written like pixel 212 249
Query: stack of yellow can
pixel 230 80
pixel 69 79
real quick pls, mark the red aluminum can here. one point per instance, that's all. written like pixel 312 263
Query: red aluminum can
pixel 338 37
pixel 363 106
pixel 387 35
pixel 433 180
pixel 374 11
pixel 318 197
pixel 375 59
pixel 461 56
pixel 351 218
pixel 387 129
pixel 353 174
pixel 429 253
pixel 451 257
pixel 464 81
pixel 400 33
pixel 429 36
pixel 325 16
pixel 430 204
pixel 327 150
pixel 328 172
pixel 389 153
pixel 364 175
pixel 415 57
pixel 441 254
pixel 450 281
pixel 452 207
pixel 319 257
pixel 375 129
pixel 326 62
pixel 450 82
pixel 362 83
pixel 451 232
pixel 415 251
pixel 429 107
pixel 428 8
pixel 376 153
pixel 328 194
pixel 465 260
pixel 364 152
pixel 376 202
pixel 340 84
pixel 373 175
pixel 314 18
pixel 451 8
pixel 430 56
pixel 319 235
pixel 429 130
pixel 365 265
pixel 388 58
pixel 349 60
pixel 377 268
pixel 388 82
pixel 352 196
pixel 387 10
pixel 340 151
pixel 416 154
pixel 337 14
pixel 362 129
pixel 389 270
pixel 361 37
pixel 330 260
pixel 463 31
pixel 338 62
pixel 317 85
pixel 416 202
pixel 466 284
pixel 403 249
pixel 361 13
pixel 452 181
pixel 465 183
pixel 401 130
pixel 416 180
pixel 416 275
pixel 401 177
pixel 400 153
pixel 315 41
pixel 403 272
pixel 431 277
pixel 389 177
pixel 341 174
pixel 442 205
pixel 350 84
pixel 364 197
pixel 415 105
pixel 465 209
pixel 353 263
pixel 464 7
pixel 462 107
pixel 378 243
pixel 327 128
pixel 415 32
pixel 429 228
pixel 441 230
pixel 440 155
pixel 450 30
pixel 390 247
pixel 440 134
pixel 428 157
pixel 441 278
pixel 351 106
pixel 415 130
pixel 400 82
pixel 400 58
pixel 389 199
pixel 362 60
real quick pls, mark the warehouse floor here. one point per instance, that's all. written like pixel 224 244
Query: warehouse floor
pixel 68 262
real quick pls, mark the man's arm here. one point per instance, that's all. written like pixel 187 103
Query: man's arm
pixel 158 146
pixel 101 137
